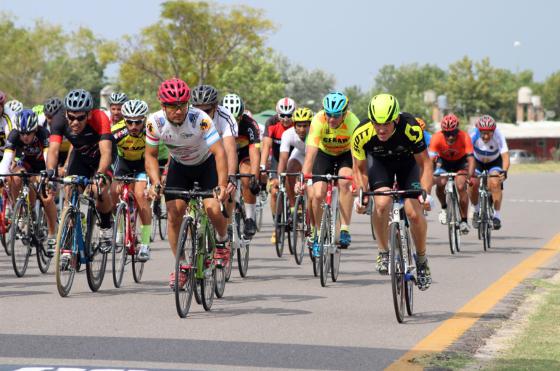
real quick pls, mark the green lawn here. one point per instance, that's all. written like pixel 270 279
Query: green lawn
pixel 540 167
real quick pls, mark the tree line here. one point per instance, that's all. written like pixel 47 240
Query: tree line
pixel 224 46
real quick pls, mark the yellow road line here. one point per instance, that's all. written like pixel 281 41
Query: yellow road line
pixel 450 330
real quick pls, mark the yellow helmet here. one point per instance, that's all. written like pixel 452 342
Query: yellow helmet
pixel 303 114
pixel 383 109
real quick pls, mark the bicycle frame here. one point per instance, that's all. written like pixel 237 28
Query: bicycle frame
pixel 127 197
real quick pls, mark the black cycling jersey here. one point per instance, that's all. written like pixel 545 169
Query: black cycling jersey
pixel 29 152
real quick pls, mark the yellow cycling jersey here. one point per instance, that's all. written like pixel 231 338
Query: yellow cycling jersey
pixel 331 141
pixel 129 147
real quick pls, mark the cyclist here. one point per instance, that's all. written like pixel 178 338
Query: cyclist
pixel 54 113
pixel 249 158
pixel 274 128
pixel 6 122
pixel 15 106
pixel 292 151
pixel 396 146
pixel 427 135
pixel 452 150
pixel 328 146
pixel 130 139
pixel 197 155
pixel 31 142
pixel 116 101
pixel 491 153
pixel 89 132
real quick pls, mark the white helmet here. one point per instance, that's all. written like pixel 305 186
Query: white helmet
pixel 286 106
pixel 134 108
pixel 15 105
pixel 234 104
pixel 117 98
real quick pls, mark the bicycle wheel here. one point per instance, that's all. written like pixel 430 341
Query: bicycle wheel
pixel 397 272
pixel 5 222
pixel 20 238
pixel 409 283
pixel 451 222
pixel 299 228
pixel 324 242
pixel 97 260
pixel 371 210
pixel 156 211
pixel 41 236
pixel 280 224
pixel 137 265
pixel 484 225
pixel 208 282
pixel 162 220
pixel 66 257
pixel 119 255
pixel 243 251
pixel 261 201
pixel 184 263
pixel 198 291
pixel 335 251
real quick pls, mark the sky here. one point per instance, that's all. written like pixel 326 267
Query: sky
pixel 353 39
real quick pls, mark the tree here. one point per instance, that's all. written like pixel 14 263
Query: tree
pixel 199 42
pixel 358 101
pixel 44 61
pixel 551 93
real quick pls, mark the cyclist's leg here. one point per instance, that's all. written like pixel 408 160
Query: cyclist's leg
pixel 380 178
pixel 495 186
pixel 250 200
pixel 346 198
pixel 295 163
pixel 15 182
pixel 177 179
pixel 273 185
pixel 145 212
pixel 440 182
pixel 324 164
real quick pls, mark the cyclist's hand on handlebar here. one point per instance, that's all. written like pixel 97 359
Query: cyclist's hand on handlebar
pixel 232 184
pixel 254 186
pixel 299 187
pixel 221 193
pixel 360 206
pixel 426 202
pixel 503 175
pixel 155 191
pixel 105 179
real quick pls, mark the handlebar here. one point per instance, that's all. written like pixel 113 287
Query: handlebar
pixel 328 177
pixel 408 193
pixel 197 193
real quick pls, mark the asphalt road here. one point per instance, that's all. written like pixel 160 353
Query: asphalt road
pixel 277 317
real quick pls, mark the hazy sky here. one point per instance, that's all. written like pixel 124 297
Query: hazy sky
pixel 353 39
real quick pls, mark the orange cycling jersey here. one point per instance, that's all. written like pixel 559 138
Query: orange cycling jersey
pixel 451 152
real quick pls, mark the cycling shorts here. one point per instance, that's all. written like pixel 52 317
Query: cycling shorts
pixel 128 168
pixel 325 163
pixel 492 166
pixel 444 166
pixel 382 174
pixel 182 177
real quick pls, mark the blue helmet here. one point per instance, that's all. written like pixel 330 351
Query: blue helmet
pixel 26 121
pixel 335 103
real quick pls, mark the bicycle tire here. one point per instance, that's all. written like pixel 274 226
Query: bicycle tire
pixel 184 264
pixel 119 250
pixel 97 260
pixel 162 220
pixel 21 251
pixel 43 261
pixel 6 223
pixel 280 224
pixel 209 281
pixel 137 265
pixel 244 246
pixel 65 271
pixel 457 212
pixel 371 211
pixel 259 211
pixel 335 256
pixel 451 222
pixel 299 228
pixel 229 267
pixel 324 239
pixel 484 223
pixel 198 291
pixel 397 272
pixel 155 220
pixel 409 283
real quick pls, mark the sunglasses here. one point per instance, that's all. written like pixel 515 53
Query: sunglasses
pixel 285 116
pixel 334 115
pixel 177 107
pixel 134 122
pixel 80 118
pixel 451 133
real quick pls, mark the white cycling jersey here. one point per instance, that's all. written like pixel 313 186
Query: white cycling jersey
pixel 225 122
pixel 291 139
pixel 7 120
pixel 488 152
pixel 189 143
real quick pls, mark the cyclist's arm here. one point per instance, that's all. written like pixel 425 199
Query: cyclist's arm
pixel 219 153
pixel 230 148
pixel 426 170
pixel 151 163
pixel 282 161
pixel 105 148
pixel 265 150
pixel 360 174
pixel 310 154
pixel 254 158
pixel 52 156
pixel 6 161
pixel 505 161
pixel 472 165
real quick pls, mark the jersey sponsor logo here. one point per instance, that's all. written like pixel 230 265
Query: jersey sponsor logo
pixel 160 122
pixel 358 139
pixel 414 133
pixel 338 139
pixel 185 135
pixel 150 128
pixel 205 124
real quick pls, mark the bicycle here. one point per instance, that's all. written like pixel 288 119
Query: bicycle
pixel 282 217
pixel 239 244
pixel 6 206
pixel 29 228
pixel 262 198
pixel 159 217
pixel 301 224
pixel 486 213
pixel 125 233
pixel 453 210
pixel 74 246
pixel 402 267
pixel 195 254
pixel 328 259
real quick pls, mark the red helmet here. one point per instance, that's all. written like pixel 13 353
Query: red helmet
pixel 174 91
pixel 449 122
pixel 486 122
pixel 2 97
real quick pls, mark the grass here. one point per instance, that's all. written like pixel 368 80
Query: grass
pixel 539 167
pixel 538 347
